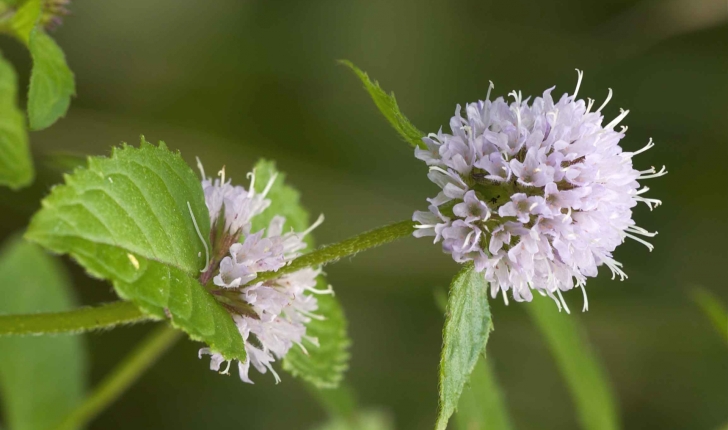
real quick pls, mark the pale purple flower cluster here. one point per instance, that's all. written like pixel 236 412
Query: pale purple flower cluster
pixel 275 312
pixel 536 195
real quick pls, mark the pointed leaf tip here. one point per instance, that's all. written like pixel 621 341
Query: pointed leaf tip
pixel 387 105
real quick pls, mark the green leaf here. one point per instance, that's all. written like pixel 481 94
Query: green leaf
pixel 481 405
pixel 387 105
pixel 285 201
pixel 41 378
pixel 16 167
pixel 467 326
pixel 578 364
pixel 324 365
pixel 127 219
pixel 51 81
pixel 24 20
pixel 713 309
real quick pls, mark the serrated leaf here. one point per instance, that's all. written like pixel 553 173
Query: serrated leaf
pixel 16 166
pixel 126 219
pixel 586 379
pixel 713 309
pixel 41 378
pixel 481 405
pixel 285 201
pixel 51 81
pixel 387 105
pixel 467 326
pixel 324 365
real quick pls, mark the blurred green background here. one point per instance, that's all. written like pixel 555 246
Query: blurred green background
pixel 231 81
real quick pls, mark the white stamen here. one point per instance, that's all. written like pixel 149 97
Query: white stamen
pixel 227 369
pixel 642 191
pixel 328 290
pixel 640 230
pixel 251 175
pixel 649 145
pixel 221 173
pixel 563 302
pixel 269 185
pixel 576 91
pixel 622 113
pixel 589 105
pixel 644 242
pixel 318 222
pixel 202 169
pixel 609 97
pixel 586 301
pixel 614 266
pixel 204 242
pixel 490 87
pixel 505 296
pixel 646 173
pixel 651 203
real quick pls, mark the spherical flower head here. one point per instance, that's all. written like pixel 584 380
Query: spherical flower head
pixel 536 196
pixel 270 315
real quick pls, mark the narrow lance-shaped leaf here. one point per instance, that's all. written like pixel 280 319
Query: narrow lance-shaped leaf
pixel 387 105
pixel 578 364
pixel 467 326
pixel 42 378
pixel 16 167
pixel 481 405
pixel 139 220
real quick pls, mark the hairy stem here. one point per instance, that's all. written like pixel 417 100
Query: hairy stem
pixel 76 321
pixel 125 374
pixel 330 253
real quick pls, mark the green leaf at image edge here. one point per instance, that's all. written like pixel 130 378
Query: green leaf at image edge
pixel 42 378
pixel 387 105
pixel 51 81
pixel 127 219
pixel 467 326
pixel 578 364
pixel 16 166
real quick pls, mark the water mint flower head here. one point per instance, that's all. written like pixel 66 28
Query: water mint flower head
pixel 537 195
pixel 270 315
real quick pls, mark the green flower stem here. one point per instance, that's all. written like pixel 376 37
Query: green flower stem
pixel 330 253
pixel 76 321
pixel 122 377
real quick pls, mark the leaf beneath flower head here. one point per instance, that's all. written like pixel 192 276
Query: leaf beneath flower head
pixel 467 326
pixel 387 105
pixel 324 365
pixel 126 219
pixel 16 167
pixel 42 378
